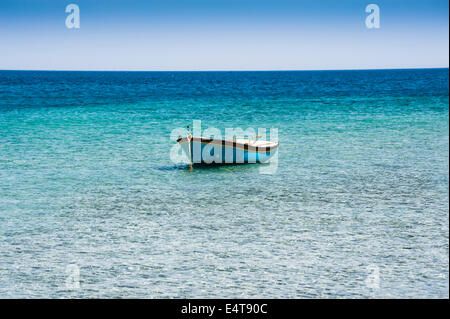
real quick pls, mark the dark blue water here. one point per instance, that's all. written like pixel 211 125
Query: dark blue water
pixel 357 207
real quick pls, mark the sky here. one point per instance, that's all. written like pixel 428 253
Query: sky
pixel 223 35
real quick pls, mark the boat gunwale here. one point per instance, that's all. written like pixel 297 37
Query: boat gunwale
pixel 233 144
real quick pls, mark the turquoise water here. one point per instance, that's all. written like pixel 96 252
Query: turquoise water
pixel 361 188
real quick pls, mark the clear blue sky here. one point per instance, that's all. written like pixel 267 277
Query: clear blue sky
pixel 223 35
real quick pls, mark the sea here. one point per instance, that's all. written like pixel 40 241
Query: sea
pixel 92 204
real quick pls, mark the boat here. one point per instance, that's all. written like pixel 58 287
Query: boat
pixel 200 150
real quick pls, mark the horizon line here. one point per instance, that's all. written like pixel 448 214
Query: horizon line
pixel 231 70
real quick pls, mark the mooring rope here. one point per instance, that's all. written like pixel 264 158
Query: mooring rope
pixel 189 138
